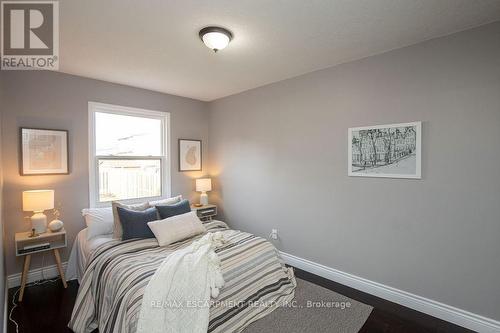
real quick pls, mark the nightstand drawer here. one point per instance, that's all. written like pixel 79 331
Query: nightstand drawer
pixel 205 213
pixel 47 241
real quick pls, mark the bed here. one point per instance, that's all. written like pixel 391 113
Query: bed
pixel 80 253
pixel 117 272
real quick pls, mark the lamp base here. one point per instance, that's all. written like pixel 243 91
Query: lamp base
pixel 203 198
pixel 39 222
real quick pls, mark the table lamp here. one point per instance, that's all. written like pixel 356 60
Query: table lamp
pixel 38 201
pixel 203 185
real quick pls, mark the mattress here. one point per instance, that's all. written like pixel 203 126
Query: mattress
pixel 80 253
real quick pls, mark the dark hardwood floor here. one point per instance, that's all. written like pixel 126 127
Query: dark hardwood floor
pixel 47 308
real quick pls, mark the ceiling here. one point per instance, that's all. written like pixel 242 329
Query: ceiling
pixel 154 44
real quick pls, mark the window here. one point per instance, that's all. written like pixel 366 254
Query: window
pixel 129 157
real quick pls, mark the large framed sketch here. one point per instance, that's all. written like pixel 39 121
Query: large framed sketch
pixel 391 151
pixel 44 151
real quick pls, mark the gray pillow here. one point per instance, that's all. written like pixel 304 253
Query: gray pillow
pixel 182 207
pixel 135 223
pixel 168 201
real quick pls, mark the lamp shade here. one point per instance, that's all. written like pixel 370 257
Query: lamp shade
pixel 38 200
pixel 203 185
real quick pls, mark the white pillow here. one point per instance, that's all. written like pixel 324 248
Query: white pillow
pixel 176 228
pixel 99 221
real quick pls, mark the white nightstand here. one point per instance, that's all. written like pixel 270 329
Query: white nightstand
pixel 48 241
pixel 205 212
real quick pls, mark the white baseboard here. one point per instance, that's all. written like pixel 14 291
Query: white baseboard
pixel 49 272
pixel 436 309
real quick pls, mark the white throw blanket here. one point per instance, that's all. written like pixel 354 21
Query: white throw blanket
pixel 177 298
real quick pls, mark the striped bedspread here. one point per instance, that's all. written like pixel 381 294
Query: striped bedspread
pixel 110 294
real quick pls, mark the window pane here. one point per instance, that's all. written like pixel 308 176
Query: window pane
pixel 129 179
pixel 120 135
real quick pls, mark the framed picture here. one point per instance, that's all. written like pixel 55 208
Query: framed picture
pixel 44 151
pixel 189 155
pixel 392 151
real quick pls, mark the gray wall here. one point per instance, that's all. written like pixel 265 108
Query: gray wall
pixel 55 100
pixel 3 280
pixel 279 154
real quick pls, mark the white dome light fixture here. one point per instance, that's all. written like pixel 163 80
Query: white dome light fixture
pixel 215 38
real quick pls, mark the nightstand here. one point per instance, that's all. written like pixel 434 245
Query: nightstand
pixel 205 212
pixel 48 241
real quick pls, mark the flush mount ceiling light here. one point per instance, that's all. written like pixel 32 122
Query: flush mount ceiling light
pixel 215 38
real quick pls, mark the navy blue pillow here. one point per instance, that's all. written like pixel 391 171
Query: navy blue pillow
pixel 135 223
pixel 175 209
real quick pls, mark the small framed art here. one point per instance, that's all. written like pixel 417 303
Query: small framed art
pixel 44 152
pixel 189 155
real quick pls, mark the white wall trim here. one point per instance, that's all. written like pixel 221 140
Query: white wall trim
pixel 5 307
pixel 166 159
pixel 436 309
pixel 49 272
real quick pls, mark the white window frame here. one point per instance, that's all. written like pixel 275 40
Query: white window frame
pixel 165 159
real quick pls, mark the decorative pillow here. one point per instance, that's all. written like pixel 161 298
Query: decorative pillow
pixel 166 202
pixel 117 229
pixel 135 223
pixel 175 209
pixel 99 221
pixel 176 228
